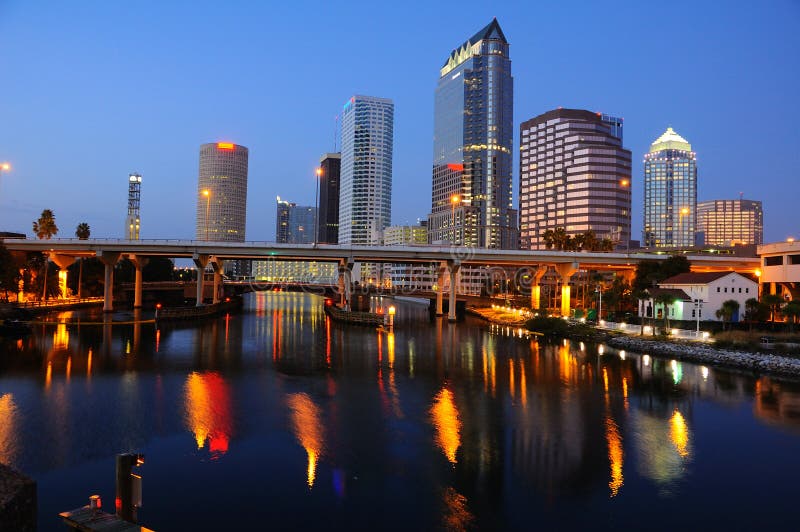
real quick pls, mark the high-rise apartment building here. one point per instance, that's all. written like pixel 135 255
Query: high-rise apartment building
pixel 294 223
pixel 329 172
pixel 222 192
pixel 133 219
pixel 471 201
pixel 670 192
pixel 575 175
pixel 365 192
pixel 405 235
pixel 730 222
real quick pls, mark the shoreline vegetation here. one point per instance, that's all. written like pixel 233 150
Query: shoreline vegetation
pixel 735 351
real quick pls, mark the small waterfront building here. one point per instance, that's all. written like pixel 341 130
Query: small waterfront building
pixel 700 295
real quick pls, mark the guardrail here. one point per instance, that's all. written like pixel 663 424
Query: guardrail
pixel 58 302
pixel 631 328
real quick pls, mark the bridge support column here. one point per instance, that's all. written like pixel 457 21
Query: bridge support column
pixel 440 289
pixel 200 262
pixel 536 290
pixel 344 283
pixel 109 259
pixel 565 270
pixel 63 262
pixel 451 311
pixel 219 268
pixel 138 264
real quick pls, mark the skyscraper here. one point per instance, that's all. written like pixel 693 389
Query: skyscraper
pixel 575 175
pixel 471 202
pixel 133 219
pixel 365 193
pixel 294 223
pixel 330 168
pixel 222 192
pixel 730 222
pixel 670 192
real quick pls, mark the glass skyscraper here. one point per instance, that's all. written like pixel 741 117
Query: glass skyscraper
pixel 328 224
pixel 471 201
pixel 730 222
pixel 294 223
pixel 365 191
pixel 670 192
pixel 222 192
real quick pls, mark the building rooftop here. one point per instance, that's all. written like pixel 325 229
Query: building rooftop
pixel 490 31
pixel 670 141
pixel 695 278
pixel 679 294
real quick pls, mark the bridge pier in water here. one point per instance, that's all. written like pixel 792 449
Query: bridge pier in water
pixel 440 289
pixel 200 262
pixel 219 267
pixel 451 311
pixel 536 290
pixel 565 270
pixel 109 260
pixel 138 263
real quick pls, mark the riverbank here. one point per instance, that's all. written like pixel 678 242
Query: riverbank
pixel 499 316
pixel 766 363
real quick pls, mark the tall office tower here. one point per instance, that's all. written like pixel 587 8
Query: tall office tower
pixel 330 167
pixel 670 192
pixel 575 175
pixel 222 192
pixel 294 223
pixel 471 202
pixel 133 220
pixel 406 235
pixel 365 193
pixel 730 222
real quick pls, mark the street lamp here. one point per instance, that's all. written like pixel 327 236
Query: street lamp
pixel 207 194
pixel 599 291
pixel 454 199
pixel 316 206
pixel 698 308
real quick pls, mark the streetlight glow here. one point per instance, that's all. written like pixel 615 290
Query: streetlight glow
pixel 5 167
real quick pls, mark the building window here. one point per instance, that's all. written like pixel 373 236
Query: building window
pixel 718 289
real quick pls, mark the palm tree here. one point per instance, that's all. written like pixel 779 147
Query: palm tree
pixel 774 302
pixel 666 299
pixel 792 312
pixel 640 296
pixel 549 238
pixel 45 228
pixel 560 238
pixel 83 231
pixel 727 310
pixel 752 309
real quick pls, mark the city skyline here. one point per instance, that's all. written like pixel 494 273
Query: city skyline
pixel 136 125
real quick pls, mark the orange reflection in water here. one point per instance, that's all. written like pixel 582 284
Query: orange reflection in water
pixel 48 376
pixel 679 433
pixel 208 411
pixel 306 420
pixel 456 514
pixel 8 429
pixel 523 386
pixel 444 416
pixel 616 455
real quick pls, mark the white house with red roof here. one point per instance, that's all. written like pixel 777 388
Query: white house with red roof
pixel 700 293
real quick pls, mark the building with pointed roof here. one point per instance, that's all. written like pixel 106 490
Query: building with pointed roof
pixel 471 200
pixel 670 192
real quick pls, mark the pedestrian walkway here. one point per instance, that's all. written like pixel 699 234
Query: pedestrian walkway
pixel 636 330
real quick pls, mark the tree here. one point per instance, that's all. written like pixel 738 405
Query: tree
pixel 727 311
pixel 753 311
pixel 9 271
pixel 792 312
pixel 45 228
pixel 774 302
pixel 666 300
pixel 83 231
pixel 641 296
pixel 158 269
pixel 549 238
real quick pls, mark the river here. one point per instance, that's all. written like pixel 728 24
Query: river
pixel 277 418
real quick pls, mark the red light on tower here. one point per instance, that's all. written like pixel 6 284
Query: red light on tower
pixel 455 167
pixel 224 145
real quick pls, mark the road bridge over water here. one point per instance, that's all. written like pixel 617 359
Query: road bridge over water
pixel 448 260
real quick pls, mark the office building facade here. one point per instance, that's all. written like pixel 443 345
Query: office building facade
pixel 670 192
pixel 471 198
pixel 730 222
pixel 222 192
pixel 365 192
pixel 576 175
pixel 329 174
pixel 294 223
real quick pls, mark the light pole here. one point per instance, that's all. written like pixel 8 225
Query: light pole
pixel 599 291
pixel 316 206
pixel 454 199
pixel 5 167
pixel 207 194
pixel 698 308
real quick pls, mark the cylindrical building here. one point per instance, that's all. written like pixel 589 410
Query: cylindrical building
pixel 222 192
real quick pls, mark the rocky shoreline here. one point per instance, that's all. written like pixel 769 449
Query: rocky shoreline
pixel 765 363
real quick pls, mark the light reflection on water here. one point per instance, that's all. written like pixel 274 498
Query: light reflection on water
pixel 471 424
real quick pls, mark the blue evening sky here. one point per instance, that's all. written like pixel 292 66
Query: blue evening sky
pixel 91 90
